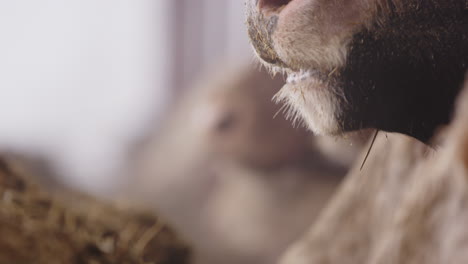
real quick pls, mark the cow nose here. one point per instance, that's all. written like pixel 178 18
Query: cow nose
pixel 272 4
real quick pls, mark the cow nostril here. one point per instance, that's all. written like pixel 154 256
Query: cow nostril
pixel 272 4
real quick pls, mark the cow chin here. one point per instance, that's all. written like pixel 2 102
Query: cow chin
pixel 312 103
pixel 396 68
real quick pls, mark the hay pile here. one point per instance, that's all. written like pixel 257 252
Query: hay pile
pixel 36 227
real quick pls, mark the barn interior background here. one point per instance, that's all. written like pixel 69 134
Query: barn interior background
pixel 82 79
pixel 87 86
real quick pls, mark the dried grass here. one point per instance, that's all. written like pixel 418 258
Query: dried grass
pixel 38 227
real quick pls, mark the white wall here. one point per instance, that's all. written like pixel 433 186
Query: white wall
pixel 210 31
pixel 79 80
pixel 237 41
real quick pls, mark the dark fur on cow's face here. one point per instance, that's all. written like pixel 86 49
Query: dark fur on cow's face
pixel 392 65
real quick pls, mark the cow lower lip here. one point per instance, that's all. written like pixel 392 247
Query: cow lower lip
pixel 273 4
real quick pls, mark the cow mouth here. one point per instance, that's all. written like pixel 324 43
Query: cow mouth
pixel 262 27
pixel 273 4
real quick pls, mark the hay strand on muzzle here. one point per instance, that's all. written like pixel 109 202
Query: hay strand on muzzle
pixel 370 148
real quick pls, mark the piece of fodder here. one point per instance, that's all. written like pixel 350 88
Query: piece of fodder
pixel 38 227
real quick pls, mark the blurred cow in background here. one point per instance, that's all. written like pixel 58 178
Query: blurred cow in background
pixel 239 182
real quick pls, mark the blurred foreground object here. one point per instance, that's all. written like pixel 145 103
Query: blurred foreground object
pixel 408 205
pixel 37 227
pixel 236 178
